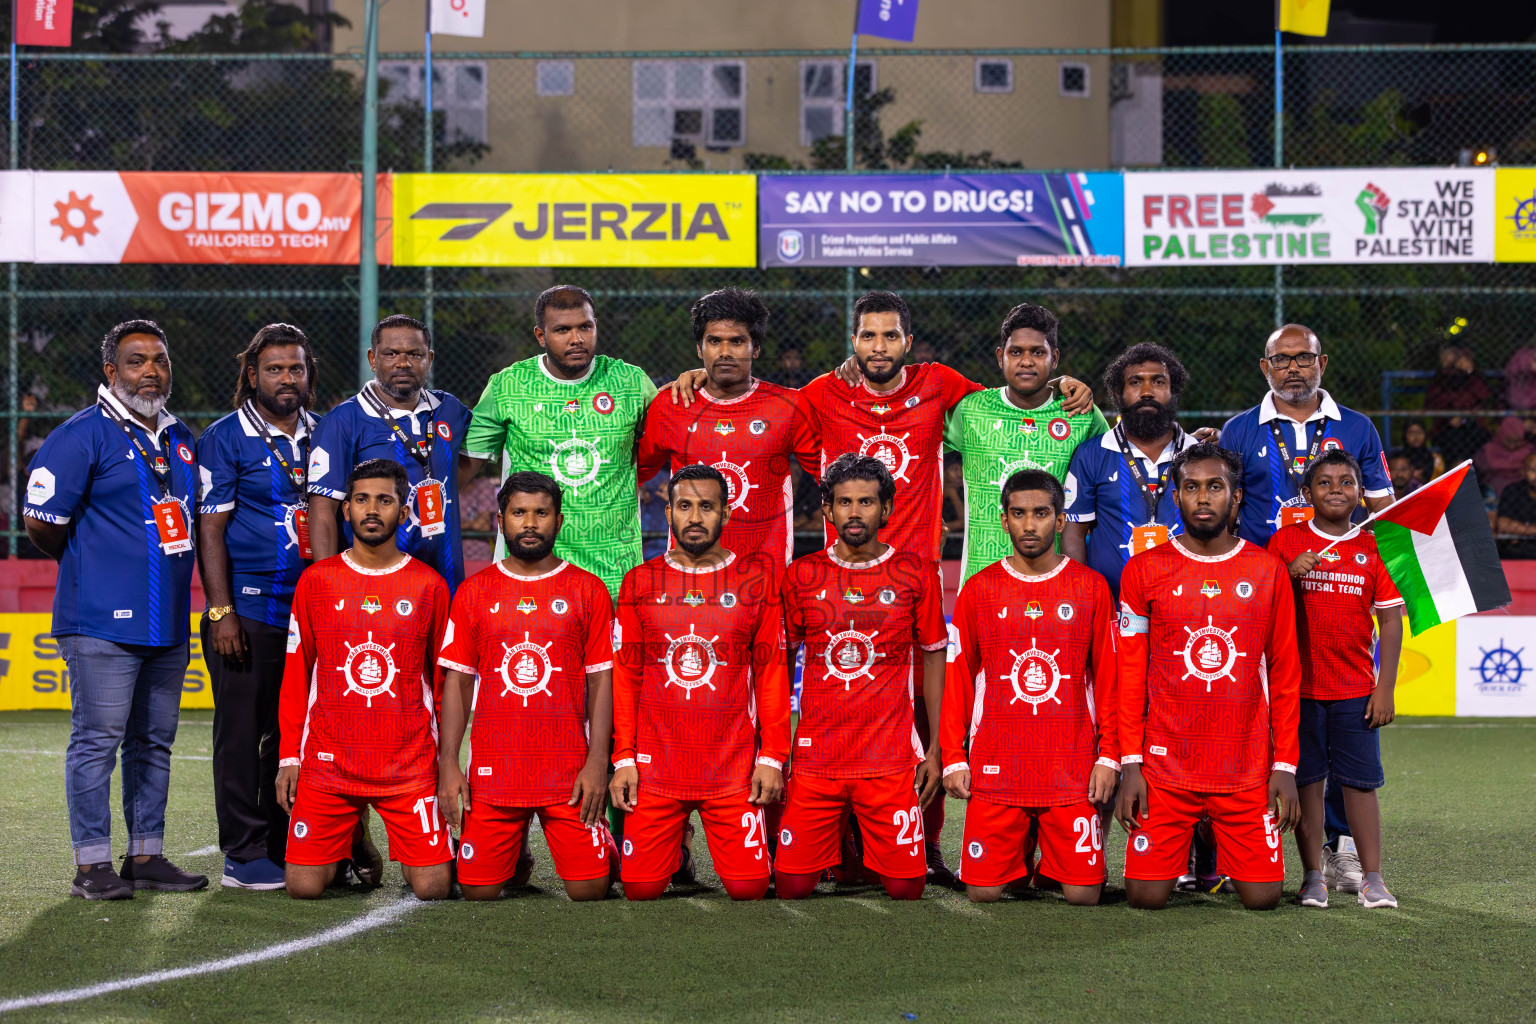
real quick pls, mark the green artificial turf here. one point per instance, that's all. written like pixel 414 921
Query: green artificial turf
pixel 1460 855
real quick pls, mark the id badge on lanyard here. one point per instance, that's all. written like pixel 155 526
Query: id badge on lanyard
pixel 301 533
pixel 1147 537
pixel 1294 511
pixel 171 525
pixel 429 508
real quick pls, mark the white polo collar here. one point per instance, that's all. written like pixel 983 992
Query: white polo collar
pixel 426 403
pixel 1003 394
pixel 1327 409
pixel 105 394
pixel 302 429
pixel 1181 439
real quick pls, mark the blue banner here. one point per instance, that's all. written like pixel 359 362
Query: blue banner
pixel 957 220
pixel 888 19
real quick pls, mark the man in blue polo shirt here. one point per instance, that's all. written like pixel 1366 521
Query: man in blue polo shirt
pixel 253 541
pixel 395 417
pixel 1118 501
pixel 109 497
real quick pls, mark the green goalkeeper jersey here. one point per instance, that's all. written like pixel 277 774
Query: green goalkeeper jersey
pixel 582 433
pixel 996 439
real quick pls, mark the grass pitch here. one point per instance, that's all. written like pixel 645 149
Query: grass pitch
pixel 1460 856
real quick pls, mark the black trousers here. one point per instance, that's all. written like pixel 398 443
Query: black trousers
pixel 251 825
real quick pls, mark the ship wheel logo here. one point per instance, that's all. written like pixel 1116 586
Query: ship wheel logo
pixel 891 450
pixel 1210 653
pixel 1524 217
pixel 1038 672
pixel 851 654
pixel 369 669
pixel 1011 467
pixel 737 483
pixel 575 461
pixel 76 218
pixel 526 668
pixel 1501 670
pixel 690 661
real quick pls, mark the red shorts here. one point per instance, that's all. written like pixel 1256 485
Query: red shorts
pixel 1247 842
pixel 1000 840
pixel 653 835
pixel 810 831
pixel 322 824
pixel 493 837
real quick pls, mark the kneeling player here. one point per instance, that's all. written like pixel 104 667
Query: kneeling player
pixel 699 695
pixel 862 609
pixel 1209 680
pixel 357 706
pixel 538 631
pixel 1030 699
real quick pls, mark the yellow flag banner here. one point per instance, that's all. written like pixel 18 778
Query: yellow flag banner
pixel 575 220
pixel 33 675
pixel 1304 17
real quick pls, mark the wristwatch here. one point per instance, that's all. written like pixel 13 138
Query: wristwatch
pixel 215 614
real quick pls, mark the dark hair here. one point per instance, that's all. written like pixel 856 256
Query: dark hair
pixel 113 338
pixel 272 336
pixel 851 466
pixel 1144 352
pixel 699 471
pixel 527 483
pixel 1333 457
pixel 1028 316
pixel 381 469
pixel 1399 453
pixel 560 296
pixel 735 304
pixel 1036 480
pixel 400 320
pixel 883 302
pixel 1199 453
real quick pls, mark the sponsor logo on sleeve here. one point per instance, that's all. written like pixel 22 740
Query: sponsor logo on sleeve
pixel 319 463
pixel 41 486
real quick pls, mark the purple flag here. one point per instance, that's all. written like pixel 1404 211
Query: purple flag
pixel 889 19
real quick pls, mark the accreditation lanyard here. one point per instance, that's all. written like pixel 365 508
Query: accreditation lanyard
pixel 429 493
pixel 298 518
pixel 1299 512
pixel 170 523
pixel 1152 533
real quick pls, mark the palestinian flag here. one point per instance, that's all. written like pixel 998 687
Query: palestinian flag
pixel 1439 550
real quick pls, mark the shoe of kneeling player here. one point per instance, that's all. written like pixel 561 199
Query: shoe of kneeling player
pixel 1341 866
pixel 850 870
pixel 687 872
pixel 1374 894
pixel 367 862
pixel 938 871
pixel 1314 891
pixel 524 869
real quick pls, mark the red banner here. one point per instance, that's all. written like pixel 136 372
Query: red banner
pixel 44 22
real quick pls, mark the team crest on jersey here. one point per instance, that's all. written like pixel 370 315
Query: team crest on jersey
pixel 559 606
pixel 1039 674
pixel 444 431
pixel 571 405
pixel 728 599
pixel 690 661
pixel 1332 444
pixel 603 402
pixel 369 669
pixel 575 461
pixel 975 850
pixel 1059 429
pixel 1033 610
pixel 853 595
pixel 757 428
pixel 891 450
pixel 300 829
pixel 1210 653
pixel 887 596
pixel 1331 556
pixel 911 403
pixel 1299 462
pixel 880 410
pixel 404 607
pixel 737 482
pixel 526 669
pixel 693 599
pixel 629 846
pixel 786 837
pixel 1360 558
pixel 725 428
pixel 527 606
pixel 161 466
pixel 1210 588
pixel 467 851
pixel 851 654
pixel 372 604
pixel 1065 611
pixel 1244 589
pixel 1141 843
pixel 185 453
pixel 1026 426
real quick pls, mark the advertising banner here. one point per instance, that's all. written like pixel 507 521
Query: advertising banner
pixel 918 220
pixel 1370 215
pixel 1514 215
pixel 43 22
pixel 33 675
pixel 15 216
pixel 1494 666
pixel 186 217
pixel 575 220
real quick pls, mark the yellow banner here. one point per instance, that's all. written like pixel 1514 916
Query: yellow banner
pixel 1304 17
pixel 1426 672
pixel 1514 218
pixel 33 675
pixel 575 220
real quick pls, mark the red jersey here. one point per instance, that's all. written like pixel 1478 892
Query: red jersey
pixel 699 678
pixel 750 440
pixel 357 710
pixel 862 624
pixel 1333 610
pixel 532 641
pixel 1031 684
pixel 1209 676
pixel 903 428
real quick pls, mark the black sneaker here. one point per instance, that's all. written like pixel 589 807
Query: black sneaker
pixel 523 870
pixel 687 872
pixel 367 862
pixel 99 882
pixel 159 873
pixel 938 871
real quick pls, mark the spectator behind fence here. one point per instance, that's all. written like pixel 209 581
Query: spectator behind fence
pixel 1520 379
pixel 1457 386
pixel 1427 463
pixel 1400 469
pixel 1499 461
pixel 1517 513
pixel 477 514
pixel 954 506
pixel 653 516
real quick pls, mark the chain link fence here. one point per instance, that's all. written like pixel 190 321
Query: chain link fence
pixel 778 112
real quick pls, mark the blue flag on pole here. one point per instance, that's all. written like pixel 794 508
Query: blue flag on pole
pixel 888 19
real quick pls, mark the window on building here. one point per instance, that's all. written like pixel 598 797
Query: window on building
pixel 824 94
pixel 994 75
pixel 702 102
pixel 458 90
pixel 1073 78
pixel 555 77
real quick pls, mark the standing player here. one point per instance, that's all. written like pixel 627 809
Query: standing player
pixel 1208 695
pixel 575 415
pixel 357 709
pixel 1344 699
pixel 700 698
pixel 1030 698
pixel 746 428
pixel 1021 425
pixel 863 608
pixel 537 630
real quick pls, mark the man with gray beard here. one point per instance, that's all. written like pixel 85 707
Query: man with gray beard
pixel 109 497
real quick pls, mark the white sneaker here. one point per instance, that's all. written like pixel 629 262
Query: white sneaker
pixel 1341 867
pixel 1375 894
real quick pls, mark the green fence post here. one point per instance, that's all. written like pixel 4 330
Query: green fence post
pixel 428 312
pixel 1279 160
pixel 368 262
pixel 14 385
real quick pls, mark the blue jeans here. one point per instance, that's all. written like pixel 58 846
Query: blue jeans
pixel 128 695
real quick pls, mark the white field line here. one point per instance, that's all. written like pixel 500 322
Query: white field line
pixel 869 905
pixel 201 851
pixel 956 907
pixel 792 910
pixel 367 922
pixel 60 753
